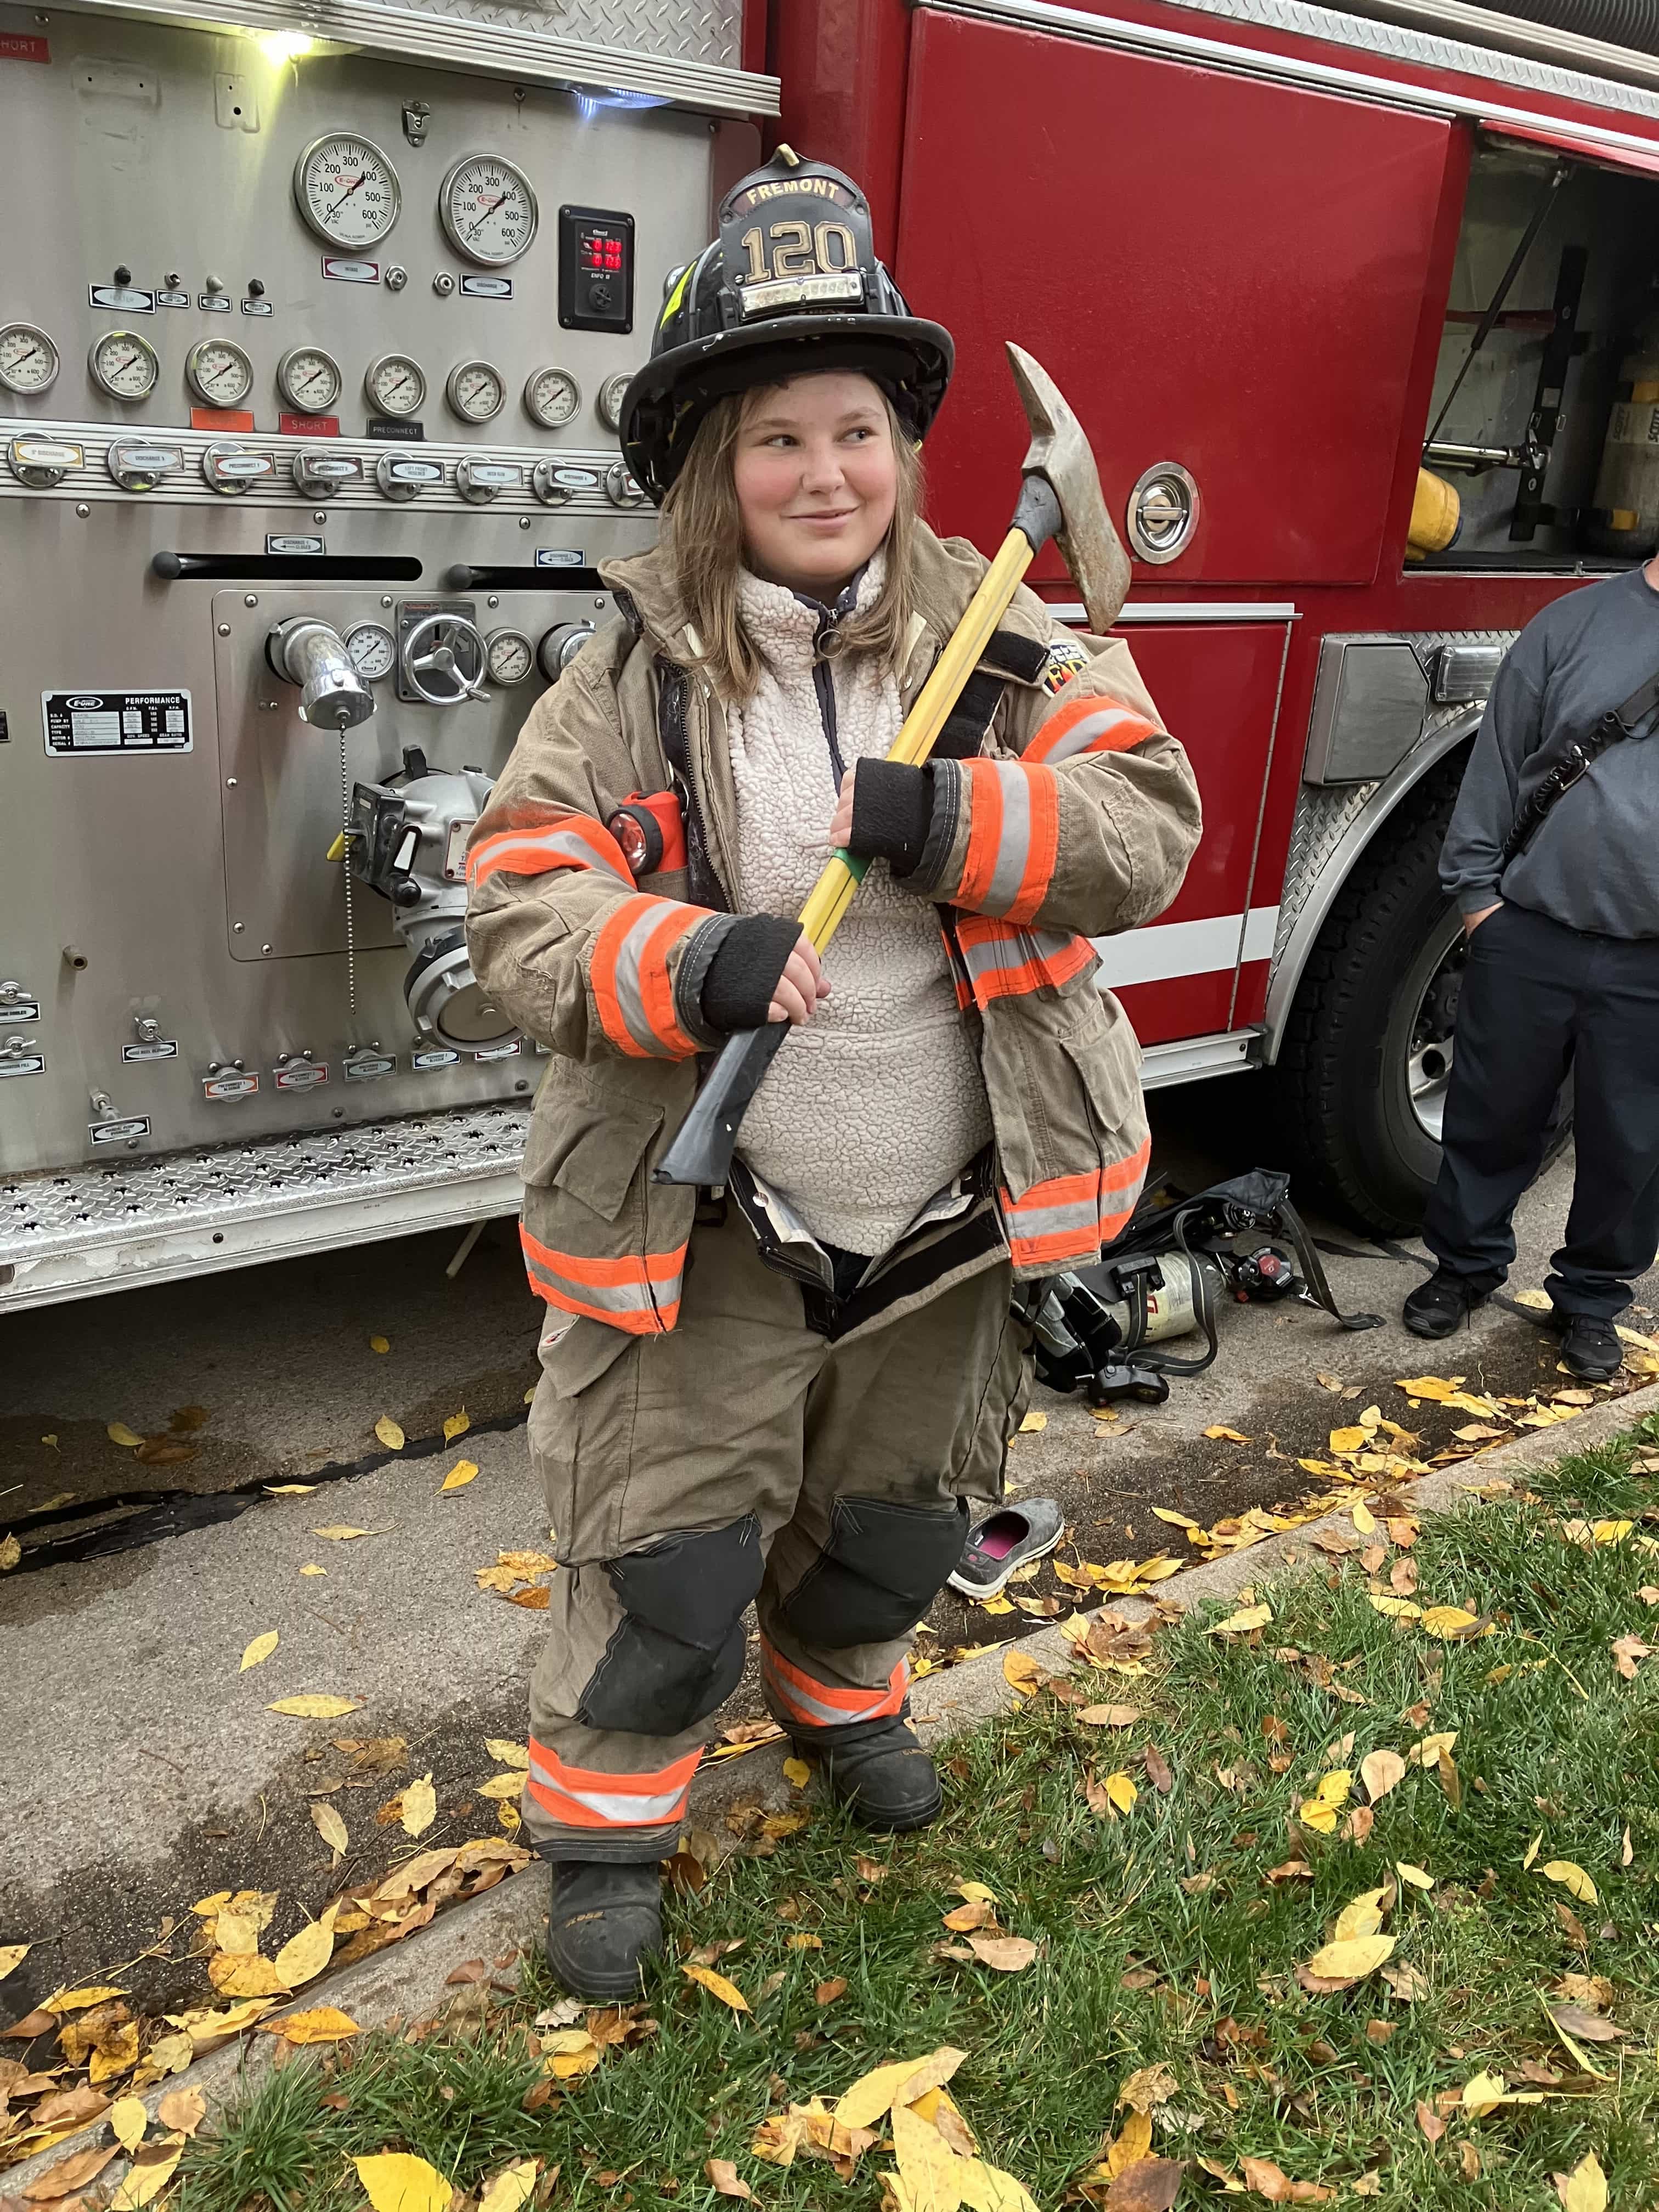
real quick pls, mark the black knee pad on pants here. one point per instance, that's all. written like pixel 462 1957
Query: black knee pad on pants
pixel 881 1570
pixel 678 1651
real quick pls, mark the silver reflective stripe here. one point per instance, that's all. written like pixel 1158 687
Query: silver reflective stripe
pixel 993 955
pixel 1030 1220
pixel 802 1701
pixel 622 1809
pixel 629 996
pixel 1014 847
pixel 541 850
pixel 1085 730
pixel 611 1297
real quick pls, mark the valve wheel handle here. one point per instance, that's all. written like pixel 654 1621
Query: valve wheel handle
pixel 447 632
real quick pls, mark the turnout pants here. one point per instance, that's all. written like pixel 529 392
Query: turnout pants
pixel 1540 1001
pixel 744 1456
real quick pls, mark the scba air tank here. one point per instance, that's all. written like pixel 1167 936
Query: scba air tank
pixel 1626 514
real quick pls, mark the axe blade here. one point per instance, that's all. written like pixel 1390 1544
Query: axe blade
pixel 1060 454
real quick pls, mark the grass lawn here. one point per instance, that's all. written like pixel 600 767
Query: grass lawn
pixel 1169 1934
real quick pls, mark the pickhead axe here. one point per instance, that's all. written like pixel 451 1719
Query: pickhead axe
pixel 1060 500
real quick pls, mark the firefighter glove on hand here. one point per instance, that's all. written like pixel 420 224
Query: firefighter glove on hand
pixel 744 973
pixel 892 809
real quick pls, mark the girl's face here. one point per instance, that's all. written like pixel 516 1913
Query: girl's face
pixel 817 478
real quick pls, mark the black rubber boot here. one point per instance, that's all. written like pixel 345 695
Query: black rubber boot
pixel 602 1921
pixel 1589 1348
pixel 885 1778
pixel 1441 1305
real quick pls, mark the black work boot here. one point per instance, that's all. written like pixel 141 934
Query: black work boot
pixel 1441 1304
pixel 885 1777
pixel 1590 1346
pixel 602 1921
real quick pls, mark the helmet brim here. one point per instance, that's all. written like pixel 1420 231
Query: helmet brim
pixel 661 408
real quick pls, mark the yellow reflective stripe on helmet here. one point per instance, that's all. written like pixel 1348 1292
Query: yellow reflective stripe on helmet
pixel 677 295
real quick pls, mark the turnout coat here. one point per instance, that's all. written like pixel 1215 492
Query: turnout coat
pixel 1062 811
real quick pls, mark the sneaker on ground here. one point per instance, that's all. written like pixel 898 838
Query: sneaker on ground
pixel 1590 1346
pixel 1004 1540
pixel 1441 1305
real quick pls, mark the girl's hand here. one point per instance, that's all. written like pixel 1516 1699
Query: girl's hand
pixel 841 822
pixel 797 993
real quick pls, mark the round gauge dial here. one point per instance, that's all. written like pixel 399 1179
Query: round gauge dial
pixel 394 384
pixel 551 398
pixel 28 359
pixel 309 379
pixel 123 365
pixel 373 651
pixel 347 190
pixel 218 373
pixel 474 391
pixel 608 402
pixel 511 656
pixel 488 207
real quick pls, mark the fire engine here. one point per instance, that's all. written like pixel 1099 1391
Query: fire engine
pixel 315 316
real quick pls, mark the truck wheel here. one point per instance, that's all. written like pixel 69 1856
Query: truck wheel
pixel 1367 1052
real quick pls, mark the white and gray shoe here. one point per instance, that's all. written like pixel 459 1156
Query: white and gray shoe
pixel 1004 1540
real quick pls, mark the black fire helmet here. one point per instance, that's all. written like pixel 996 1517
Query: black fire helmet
pixel 790 286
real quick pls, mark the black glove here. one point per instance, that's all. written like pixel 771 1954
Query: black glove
pixel 893 810
pixel 744 971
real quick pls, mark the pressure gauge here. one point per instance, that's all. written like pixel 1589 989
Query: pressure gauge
pixel 123 365
pixel 511 656
pixel 488 207
pixel 551 398
pixel 28 359
pixel 608 402
pixel 347 190
pixel 373 651
pixel 394 385
pixel 309 380
pixel 474 391
pixel 218 373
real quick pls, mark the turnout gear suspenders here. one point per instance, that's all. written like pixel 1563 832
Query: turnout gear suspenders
pixel 1614 727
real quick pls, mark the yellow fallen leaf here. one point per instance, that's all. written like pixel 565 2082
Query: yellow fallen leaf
pixel 512 2187
pixel 1438 1386
pixel 717 1985
pixel 129 2119
pixel 1540 1301
pixel 184 2110
pixel 988 2188
pixel 304 1954
pixel 872 2093
pixel 1364 1519
pixel 1033 1422
pixel 1532 1850
pixel 1132 2143
pixel 240 1974
pixel 1319 1812
pixel 312 1568
pixel 390 1436
pixel 460 1474
pixel 926 2163
pixel 505 1752
pixel 994 1604
pixel 1483 2094
pixel 339 1532
pixel 1585 2188
pixel 797 1773
pixel 1175 1520
pixel 1363 1918
pixel 12 1956
pixel 322 2024
pixel 1021 1672
pixel 316 1706
pixel 119 1433
pixel 289 1489
pixel 237 1932
pixel 62 2001
pixel 1381 1772
pixel 1415 1875
pixel 457 1424
pixel 330 1827
pixel 1225 1436
pixel 1352 1960
pixel 1122 1791
pixel 420 1807
pixel 1349 1440
pixel 1446 1621
pixel 152 2168
pixel 398 2181
pixel 261 1648
pixel 508 1788
pixel 11 1552
pixel 1238 1624
pixel 378 1344
pixel 571 2052
pixel 1572 1878
pixel 1396 1608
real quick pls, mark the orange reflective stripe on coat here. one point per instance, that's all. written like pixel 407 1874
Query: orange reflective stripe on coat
pixel 1013 838
pixel 640 1293
pixel 812 1703
pixel 581 1798
pixel 632 983
pixel 1000 959
pixel 1088 726
pixel 534 839
pixel 1068 1218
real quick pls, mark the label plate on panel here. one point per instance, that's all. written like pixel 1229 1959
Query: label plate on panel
pixel 221 1087
pixel 560 556
pixel 23 1063
pixel 437 1056
pixel 156 1048
pixel 91 722
pixel 19 1010
pixel 118 1132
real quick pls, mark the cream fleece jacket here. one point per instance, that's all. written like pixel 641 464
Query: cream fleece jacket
pixel 878 1100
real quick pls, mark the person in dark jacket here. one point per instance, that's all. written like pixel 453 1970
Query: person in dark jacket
pixel 1563 976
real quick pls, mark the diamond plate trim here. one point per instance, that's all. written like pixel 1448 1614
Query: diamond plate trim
pixel 52 1215
pixel 708 32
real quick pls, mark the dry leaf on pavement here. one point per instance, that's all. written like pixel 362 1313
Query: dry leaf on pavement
pixel 460 1475
pixel 324 1706
pixel 12 1956
pixel 70 2174
pixel 420 1807
pixel 184 2110
pixel 389 1433
pixel 330 1827
pixel 152 2168
pixel 261 1648
pixel 129 2121
pixel 457 1424
pixel 306 1953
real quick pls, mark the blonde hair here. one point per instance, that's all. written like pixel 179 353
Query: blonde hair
pixel 704 534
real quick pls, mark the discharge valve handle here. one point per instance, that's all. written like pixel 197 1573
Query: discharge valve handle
pixel 440 675
pixel 311 653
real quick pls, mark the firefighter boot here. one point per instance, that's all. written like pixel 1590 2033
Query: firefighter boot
pixel 882 1774
pixel 602 1921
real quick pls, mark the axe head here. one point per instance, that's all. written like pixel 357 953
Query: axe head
pixel 1059 453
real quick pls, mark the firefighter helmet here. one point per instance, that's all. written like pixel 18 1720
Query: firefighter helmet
pixel 790 286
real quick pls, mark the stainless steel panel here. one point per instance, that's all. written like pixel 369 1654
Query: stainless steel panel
pixel 1466 672
pixel 1369 703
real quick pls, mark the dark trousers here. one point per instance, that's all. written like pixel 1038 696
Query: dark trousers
pixel 1538 1000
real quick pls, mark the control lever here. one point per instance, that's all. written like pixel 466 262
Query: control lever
pixel 451 642
pixel 307 652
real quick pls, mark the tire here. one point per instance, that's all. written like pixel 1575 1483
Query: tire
pixel 1367 1045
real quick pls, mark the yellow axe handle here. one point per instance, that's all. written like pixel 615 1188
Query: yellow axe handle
pixel 832 892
